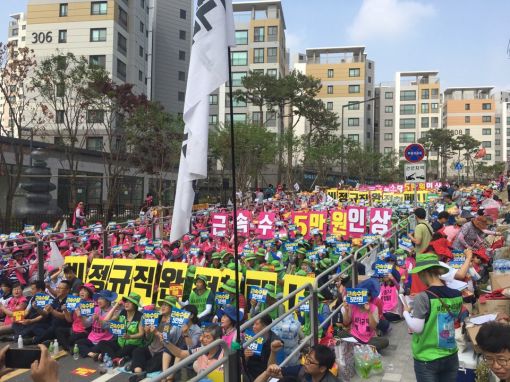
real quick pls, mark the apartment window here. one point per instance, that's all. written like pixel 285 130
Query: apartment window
pixel 256 117
pixel 434 122
pixel 140 75
pixel 258 55
pixel 182 76
pixel 486 106
pixel 182 35
pixel 425 94
pixel 240 58
pixel 62 10
pixel 182 14
pixel 98 8
pixel 353 105
pixel 272 54
pixel 182 55
pixel 62 36
pixel 424 122
pixel 486 144
pixel 95 116
pixel 498 131
pixel 467 119
pixel 354 89
pixel 121 70
pixel 258 34
pixel 330 89
pixel 497 142
pixel 467 132
pixel 369 93
pixel 272 72
pixel 388 136
pixel 61 90
pixel 237 78
pixel 467 106
pixel 424 107
pixel 408 95
pixel 142 27
pixel 486 118
pixel 122 43
pixel 237 102
pixel 369 79
pixel 407 123
pixel 142 4
pixel 97 60
pixel 213 99
pixel 272 33
pixel 353 137
pixel 95 143
pixel 434 93
pixel 59 116
pixel 407 137
pixel 486 132
pixel 498 153
pixel 353 122
pixel 241 37
pixel 388 95
pixel 388 123
pixel 388 109
pixel 354 72
pixel 98 34
pixel 487 157
pixel 140 51
pixel 369 65
pixel 238 118
pixel 58 141
pixel 213 119
pixel 180 96
pixel 331 73
pixel 498 119
pixel 329 106
pixel 14 32
pixel 388 150
pixel 123 17
pixel 434 107
pixel 407 109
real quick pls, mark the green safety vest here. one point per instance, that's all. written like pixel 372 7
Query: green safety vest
pixel 437 340
pixel 131 328
pixel 200 301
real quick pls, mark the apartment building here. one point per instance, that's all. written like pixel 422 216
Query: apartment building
pixel 502 132
pixel 347 78
pixel 170 35
pixel 472 111
pixel 260 47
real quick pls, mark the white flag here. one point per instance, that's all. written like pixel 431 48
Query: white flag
pixel 208 70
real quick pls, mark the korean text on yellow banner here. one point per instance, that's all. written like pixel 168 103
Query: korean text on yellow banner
pixel 291 283
pixel 258 278
pixel 79 265
pixel 98 273
pixel 227 274
pixel 213 276
pixel 119 280
pixel 144 278
pixel 171 281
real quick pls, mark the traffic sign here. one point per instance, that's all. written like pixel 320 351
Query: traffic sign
pixel 415 173
pixel 459 166
pixel 414 153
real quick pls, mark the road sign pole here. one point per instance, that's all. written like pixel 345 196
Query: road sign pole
pixel 415 195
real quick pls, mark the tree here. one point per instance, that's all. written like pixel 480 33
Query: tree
pixel 255 148
pixel 321 153
pixel 62 83
pixel 110 105
pixel 470 146
pixel 442 142
pixel 255 86
pixel 320 120
pixel 362 162
pixel 155 138
pixel 17 116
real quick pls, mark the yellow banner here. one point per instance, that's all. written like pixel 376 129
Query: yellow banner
pixel 98 273
pixel 144 279
pixel 119 280
pixel 376 195
pixel 171 281
pixel 227 274
pixel 79 264
pixel 198 207
pixel 213 276
pixel 291 283
pixel 260 279
pixel 333 192
pixel 353 196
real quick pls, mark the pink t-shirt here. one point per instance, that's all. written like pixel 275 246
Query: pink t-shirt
pixel 97 332
pixel 389 297
pixel 451 232
pixel 14 304
pixel 228 338
pixel 77 325
pixel 360 327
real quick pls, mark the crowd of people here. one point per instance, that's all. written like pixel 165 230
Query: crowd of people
pixel 440 262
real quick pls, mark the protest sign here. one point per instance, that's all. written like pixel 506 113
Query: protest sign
pixel 255 346
pixel 171 281
pixel 265 227
pixel 98 273
pixel 222 298
pixel 382 268
pixel 86 308
pixel 150 318
pixel 143 279
pixel 259 279
pixel 72 302
pixel 117 328
pixel 258 294
pixel 78 264
pixel 213 277
pixel 290 284
pixel 219 223
pixel 18 315
pixel 356 221
pixel 41 300
pixel 357 296
pixel 179 317
pixel 305 308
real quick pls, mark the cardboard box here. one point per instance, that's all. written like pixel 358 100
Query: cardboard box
pixel 494 306
pixel 500 280
pixel 472 331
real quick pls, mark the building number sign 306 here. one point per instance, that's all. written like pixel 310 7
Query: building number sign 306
pixel 41 37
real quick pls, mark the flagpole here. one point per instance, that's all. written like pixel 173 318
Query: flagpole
pixel 232 154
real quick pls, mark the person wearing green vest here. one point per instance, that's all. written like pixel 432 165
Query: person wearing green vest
pixel 271 299
pixel 202 298
pixel 121 348
pixel 280 270
pixel 216 261
pixel 188 282
pixel 434 317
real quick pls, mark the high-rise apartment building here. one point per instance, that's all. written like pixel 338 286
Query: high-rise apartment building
pixel 347 78
pixel 501 131
pixel 260 47
pixel 472 111
pixel 170 36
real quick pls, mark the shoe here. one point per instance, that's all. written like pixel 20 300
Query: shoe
pixel 138 377
pixel 127 366
pixel 117 361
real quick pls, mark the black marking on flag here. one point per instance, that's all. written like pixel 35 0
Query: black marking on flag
pixel 204 6
pixel 185 144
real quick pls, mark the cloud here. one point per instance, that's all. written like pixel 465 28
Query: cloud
pixel 387 19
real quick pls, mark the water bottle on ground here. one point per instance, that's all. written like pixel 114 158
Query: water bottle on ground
pixel 55 347
pixel 76 352
pixel 20 342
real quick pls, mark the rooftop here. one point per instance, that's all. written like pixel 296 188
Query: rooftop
pixel 258 5
pixel 337 49
pixel 481 88
pixel 419 73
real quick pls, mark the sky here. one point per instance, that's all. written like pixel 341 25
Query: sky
pixel 465 40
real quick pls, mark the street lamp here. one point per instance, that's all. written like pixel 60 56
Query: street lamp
pixel 342 131
pixel 31 130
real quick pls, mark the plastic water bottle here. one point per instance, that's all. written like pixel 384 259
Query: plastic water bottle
pixel 20 342
pixel 55 347
pixel 51 348
pixel 76 353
